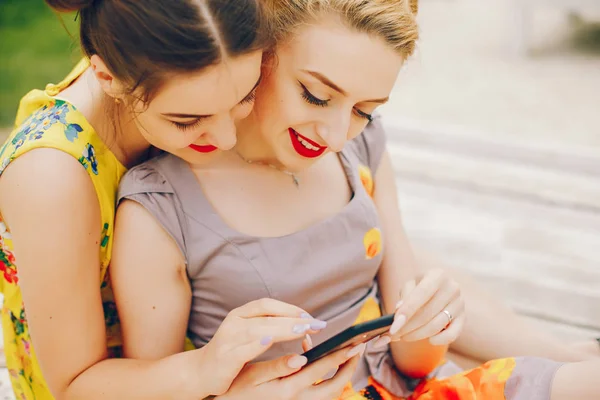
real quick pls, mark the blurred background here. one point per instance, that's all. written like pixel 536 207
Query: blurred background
pixel 495 134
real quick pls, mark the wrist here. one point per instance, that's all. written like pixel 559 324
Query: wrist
pixel 195 376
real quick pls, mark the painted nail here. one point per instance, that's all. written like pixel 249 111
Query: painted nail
pixel 398 323
pixel 306 315
pixel 301 328
pixel 330 374
pixel 309 341
pixel 318 325
pixel 381 342
pixel 356 350
pixel 399 304
pixel 265 341
pixel 297 362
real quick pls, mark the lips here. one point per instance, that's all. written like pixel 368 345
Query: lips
pixel 203 149
pixel 304 146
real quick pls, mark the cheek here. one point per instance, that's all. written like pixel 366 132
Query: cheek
pixel 160 133
pixel 281 106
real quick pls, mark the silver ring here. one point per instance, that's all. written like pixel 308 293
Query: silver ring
pixel 449 315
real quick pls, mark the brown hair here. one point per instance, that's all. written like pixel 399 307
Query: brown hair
pixel 392 20
pixel 144 41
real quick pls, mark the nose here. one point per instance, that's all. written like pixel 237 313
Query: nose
pixel 335 130
pixel 223 134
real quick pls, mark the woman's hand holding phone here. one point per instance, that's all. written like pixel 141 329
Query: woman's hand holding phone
pixel 289 378
pixel 249 331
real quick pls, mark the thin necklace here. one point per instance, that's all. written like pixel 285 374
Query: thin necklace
pixel 294 177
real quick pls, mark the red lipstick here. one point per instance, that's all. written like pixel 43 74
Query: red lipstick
pixel 203 149
pixel 304 146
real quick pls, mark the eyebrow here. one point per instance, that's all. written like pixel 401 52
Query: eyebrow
pixel 326 81
pixel 179 115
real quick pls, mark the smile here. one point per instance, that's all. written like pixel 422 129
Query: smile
pixel 203 149
pixel 304 146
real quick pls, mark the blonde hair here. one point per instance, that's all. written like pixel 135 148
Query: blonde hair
pixel 392 20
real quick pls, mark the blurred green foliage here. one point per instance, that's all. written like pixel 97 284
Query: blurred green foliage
pixel 35 49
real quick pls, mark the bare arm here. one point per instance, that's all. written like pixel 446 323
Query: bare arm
pixel 54 216
pixel 151 288
pixel 153 297
pixel 399 266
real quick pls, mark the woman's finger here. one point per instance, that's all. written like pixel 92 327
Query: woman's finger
pixel 266 371
pixel 267 330
pixel 442 298
pixel 417 298
pixel 422 293
pixel 406 291
pixel 333 388
pixel 399 318
pixel 438 323
pixel 307 343
pixel 317 370
pixel 450 334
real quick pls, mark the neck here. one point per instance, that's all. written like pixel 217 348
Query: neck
pixel 112 122
pixel 251 145
pixel 130 146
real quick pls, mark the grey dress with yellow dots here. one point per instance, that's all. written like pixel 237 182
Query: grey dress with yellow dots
pixel 328 269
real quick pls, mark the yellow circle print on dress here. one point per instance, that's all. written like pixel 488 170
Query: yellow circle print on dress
pixel 366 177
pixel 372 242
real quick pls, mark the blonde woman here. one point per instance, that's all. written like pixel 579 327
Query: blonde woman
pixel 304 210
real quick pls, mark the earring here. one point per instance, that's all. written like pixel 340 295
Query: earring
pixel 117 101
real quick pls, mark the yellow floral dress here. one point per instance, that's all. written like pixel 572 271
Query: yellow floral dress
pixel 46 121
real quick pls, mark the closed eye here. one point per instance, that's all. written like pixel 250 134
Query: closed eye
pixel 249 99
pixel 362 114
pixel 311 98
pixel 188 125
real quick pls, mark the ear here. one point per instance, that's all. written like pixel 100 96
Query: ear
pixel 269 62
pixel 109 84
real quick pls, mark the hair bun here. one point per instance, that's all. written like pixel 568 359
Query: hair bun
pixel 69 5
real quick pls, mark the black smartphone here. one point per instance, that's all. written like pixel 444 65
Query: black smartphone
pixel 352 336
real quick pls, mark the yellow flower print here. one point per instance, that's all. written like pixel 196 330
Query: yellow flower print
pixel 372 242
pixel 366 177
pixel 369 311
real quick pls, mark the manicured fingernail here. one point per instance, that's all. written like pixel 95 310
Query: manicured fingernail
pixel 306 315
pixel 356 350
pixel 398 304
pixel 318 325
pixel 297 362
pixel 265 341
pixel 382 342
pixel 330 374
pixel 301 328
pixel 398 323
pixel 309 341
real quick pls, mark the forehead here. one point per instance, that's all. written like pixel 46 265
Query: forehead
pixel 344 55
pixel 212 90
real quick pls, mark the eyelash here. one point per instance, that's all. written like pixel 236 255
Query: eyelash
pixel 249 99
pixel 186 127
pixel 364 115
pixel 311 99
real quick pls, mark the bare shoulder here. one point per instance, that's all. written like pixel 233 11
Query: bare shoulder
pixel 142 242
pixel 49 182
